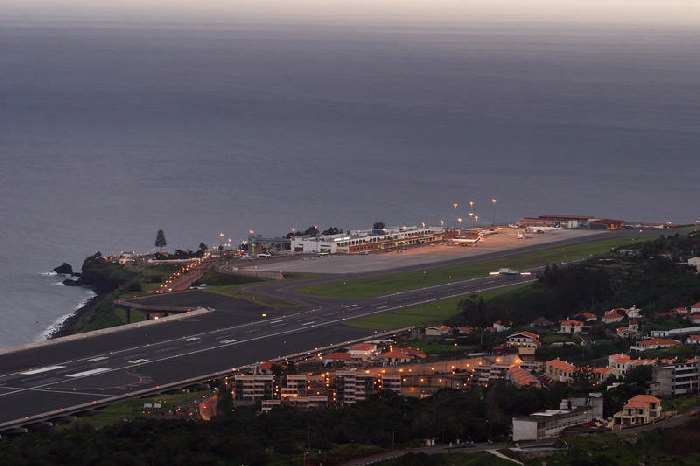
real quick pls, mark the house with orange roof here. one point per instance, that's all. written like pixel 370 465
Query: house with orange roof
pixel 465 330
pixel 600 374
pixel 362 350
pixel 522 378
pixel 695 308
pixel 620 364
pixel 639 410
pixel 400 355
pixel 439 331
pixel 336 359
pixel 694 318
pixel 586 316
pixel 680 310
pixel 654 343
pixel 559 371
pixel 570 326
pixel 693 340
pixel 525 342
pixel 614 315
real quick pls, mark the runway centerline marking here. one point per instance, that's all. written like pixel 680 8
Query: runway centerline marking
pixel 41 370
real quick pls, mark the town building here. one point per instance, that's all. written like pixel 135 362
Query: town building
pixel 572 412
pixel 654 343
pixel 606 224
pixel 620 364
pixel 678 378
pixel 586 316
pixel 439 331
pixel 614 315
pixel 399 355
pixel 570 326
pixel 252 388
pixel 695 308
pixel 278 245
pixel 501 326
pixel 363 241
pixel 558 370
pixel 362 351
pixel 491 369
pixel 337 359
pixel 522 378
pixel 525 342
pixel 639 410
pixel 354 385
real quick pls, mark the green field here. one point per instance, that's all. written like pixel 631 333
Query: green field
pixel 422 314
pixel 237 292
pixel 399 281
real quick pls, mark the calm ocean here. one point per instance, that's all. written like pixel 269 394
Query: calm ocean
pixel 108 133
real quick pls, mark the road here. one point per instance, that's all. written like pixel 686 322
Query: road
pixel 39 383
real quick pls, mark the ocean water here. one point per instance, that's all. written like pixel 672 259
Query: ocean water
pixel 109 132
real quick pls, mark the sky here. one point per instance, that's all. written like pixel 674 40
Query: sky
pixel 629 13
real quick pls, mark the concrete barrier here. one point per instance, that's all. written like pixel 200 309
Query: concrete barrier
pixel 105 331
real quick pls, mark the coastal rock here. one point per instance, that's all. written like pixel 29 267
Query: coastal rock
pixel 64 269
pixel 71 282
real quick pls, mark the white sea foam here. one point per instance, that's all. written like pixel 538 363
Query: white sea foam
pixel 56 325
pixel 49 274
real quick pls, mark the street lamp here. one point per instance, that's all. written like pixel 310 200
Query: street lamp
pixel 493 202
pixel 476 219
pixel 471 205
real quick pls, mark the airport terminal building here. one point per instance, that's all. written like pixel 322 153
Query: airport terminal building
pixel 365 241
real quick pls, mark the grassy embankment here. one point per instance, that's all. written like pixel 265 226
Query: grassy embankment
pixel 400 281
pixel 448 459
pixel 133 408
pixel 423 314
pixel 232 285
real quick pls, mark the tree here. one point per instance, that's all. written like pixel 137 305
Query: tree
pixel 332 231
pixel 379 226
pixel 160 239
pixel 224 404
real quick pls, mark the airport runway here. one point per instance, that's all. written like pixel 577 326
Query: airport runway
pixel 39 383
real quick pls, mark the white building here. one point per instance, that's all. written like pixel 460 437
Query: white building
pixel 363 241
pixel 694 262
pixel 550 423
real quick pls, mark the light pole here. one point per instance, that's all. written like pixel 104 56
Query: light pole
pixel 459 221
pixel 493 202
pixel 476 219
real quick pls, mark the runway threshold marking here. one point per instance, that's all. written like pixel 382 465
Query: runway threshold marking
pixel 41 370
pixel 98 359
pixel 99 370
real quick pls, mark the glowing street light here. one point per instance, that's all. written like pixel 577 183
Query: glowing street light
pixel 493 203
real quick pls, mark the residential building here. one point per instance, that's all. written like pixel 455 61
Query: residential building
pixel 251 388
pixel 654 343
pixel 695 308
pixel 336 359
pixel 600 374
pixel 633 312
pixel 362 351
pixel 680 310
pixel 501 326
pixel 490 369
pixel 399 355
pixel 552 422
pixel 353 386
pixel 440 331
pixel 522 378
pixel 525 342
pixel 694 318
pixel 639 410
pixel 678 378
pixel 613 315
pixel 586 317
pixel 620 364
pixel 570 327
pixel 693 340
pixel 558 370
